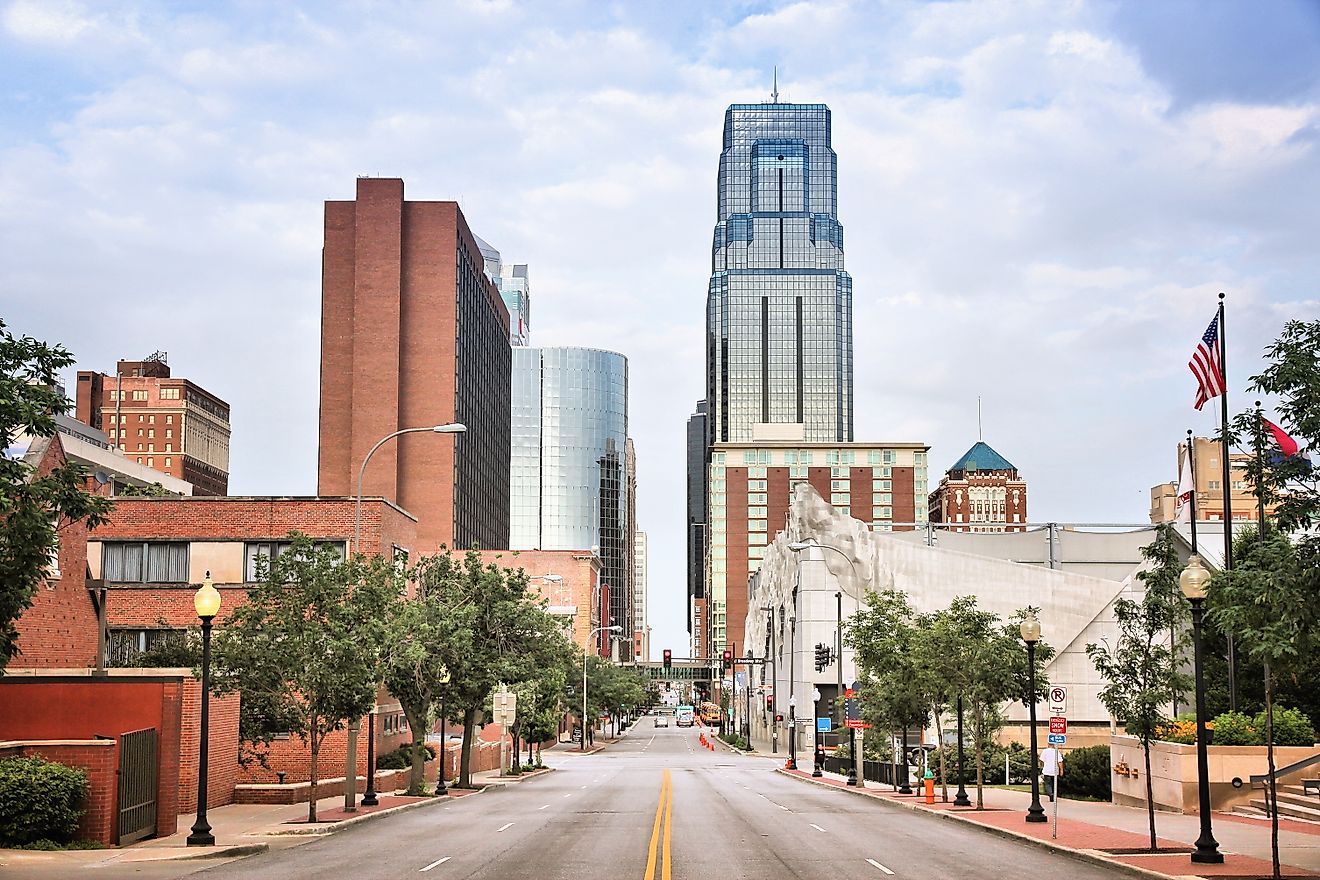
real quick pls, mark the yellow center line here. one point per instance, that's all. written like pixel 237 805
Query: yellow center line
pixel 669 827
pixel 662 813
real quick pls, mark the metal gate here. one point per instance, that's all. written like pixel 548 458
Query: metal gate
pixel 137 785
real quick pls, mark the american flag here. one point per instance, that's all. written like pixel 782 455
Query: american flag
pixel 1206 366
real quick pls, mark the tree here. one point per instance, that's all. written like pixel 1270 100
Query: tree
pixel 302 649
pixel 1142 672
pixel 1270 603
pixel 413 666
pixel 34 507
pixel 1294 377
pixel 494 631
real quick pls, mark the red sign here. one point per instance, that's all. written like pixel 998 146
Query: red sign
pixel 857 725
pixel 1058 724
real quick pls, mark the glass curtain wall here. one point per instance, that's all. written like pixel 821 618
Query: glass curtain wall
pixel 567 485
pixel 779 307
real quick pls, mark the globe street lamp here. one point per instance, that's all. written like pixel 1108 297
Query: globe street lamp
pixel 444 753
pixel 1030 630
pixel 207 604
pixel 815 717
pixel 1192 582
pixel 585 648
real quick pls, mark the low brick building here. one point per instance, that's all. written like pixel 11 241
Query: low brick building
pixel 568 580
pixel 154 552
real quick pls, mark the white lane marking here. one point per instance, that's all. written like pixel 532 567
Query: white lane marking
pixel 543 806
pixel 435 864
pixel 570 794
pixel 503 827
pixel 876 864
pixel 584 788
pixel 817 827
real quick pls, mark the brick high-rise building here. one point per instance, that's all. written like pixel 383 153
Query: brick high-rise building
pixel 1209 486
pixel 163 422
pixel 982 492
pixel 751 489
pixel 414 334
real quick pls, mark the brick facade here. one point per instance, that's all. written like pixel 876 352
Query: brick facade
pixel 398 280
pixel 59 630
pixel 580 588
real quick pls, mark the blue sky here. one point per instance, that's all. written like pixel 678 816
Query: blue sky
pixel 1041 201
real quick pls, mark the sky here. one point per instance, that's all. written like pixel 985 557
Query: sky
pixel 1041 202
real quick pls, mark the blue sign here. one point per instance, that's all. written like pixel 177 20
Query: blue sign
pixel 1058 739
pixel 823 725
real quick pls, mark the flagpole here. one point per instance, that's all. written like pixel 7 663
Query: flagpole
pixel 1260 470
pixel 1191 469
pixel 1228 489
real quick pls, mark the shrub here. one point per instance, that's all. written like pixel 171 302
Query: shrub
pixel 1236 729
pixel 1086 773
pixel 1180 730
pixel 401 758
pixel 39 800
pixel 1291 727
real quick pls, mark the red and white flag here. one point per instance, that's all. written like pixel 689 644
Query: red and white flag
pixel 1206 365
pixel 1186 488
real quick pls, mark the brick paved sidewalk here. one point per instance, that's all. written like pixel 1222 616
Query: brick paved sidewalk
pixel 1107 833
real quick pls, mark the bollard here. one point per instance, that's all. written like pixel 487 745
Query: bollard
pixel 930 787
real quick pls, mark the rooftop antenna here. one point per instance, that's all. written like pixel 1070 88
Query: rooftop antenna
pixel 774 94
pixel 979 437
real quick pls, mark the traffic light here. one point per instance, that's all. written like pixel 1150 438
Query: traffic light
pixel 669 658
pixel 769 702
pixel 823 658
pixel 727 658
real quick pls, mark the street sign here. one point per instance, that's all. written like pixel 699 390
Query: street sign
pixel 1057 739
pixel 824 725
pixel 857 725
pixel 1058 724
pixel 1058 700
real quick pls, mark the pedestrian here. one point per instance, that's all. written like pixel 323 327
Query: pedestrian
pixel 1051 762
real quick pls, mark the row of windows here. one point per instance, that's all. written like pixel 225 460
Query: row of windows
pixel 166 562
pixel 151 418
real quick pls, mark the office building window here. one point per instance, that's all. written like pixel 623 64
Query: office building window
pixel 138 562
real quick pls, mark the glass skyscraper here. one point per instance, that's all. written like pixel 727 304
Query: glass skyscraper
pixel 779 308
pixel 568 480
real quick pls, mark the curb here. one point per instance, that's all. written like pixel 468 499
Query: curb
pixel 219 852
pixel 500 781
pixel 1083 855
pixel 320 829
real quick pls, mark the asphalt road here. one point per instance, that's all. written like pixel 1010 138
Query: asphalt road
pixel 654 806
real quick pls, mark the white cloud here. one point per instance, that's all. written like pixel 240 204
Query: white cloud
pixel 1026 218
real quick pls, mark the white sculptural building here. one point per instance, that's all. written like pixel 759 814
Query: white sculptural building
pixel 797 591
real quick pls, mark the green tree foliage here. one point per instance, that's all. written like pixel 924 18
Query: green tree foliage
pixel 611 690
pixel 1142 672
pixel 1293 376
pixel 302 651
pixel 40 800
pixel 495 631
pixel 914 666
pixel 33 508
pixel 1270 603
pixel 1089 774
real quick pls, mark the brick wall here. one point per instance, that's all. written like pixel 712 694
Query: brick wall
pixel 59 630
pixel 293 756
pixel 222 757
pixel 100 758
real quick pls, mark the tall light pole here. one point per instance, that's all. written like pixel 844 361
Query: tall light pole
pixel 1192 582
pixel 774 683
pixel 798 547
pixel 451 428
pixel 206 602
pixel 350 774
pixel 586 647
pixel 1030 630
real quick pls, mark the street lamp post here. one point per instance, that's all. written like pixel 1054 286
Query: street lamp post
pixel 206 602
pixel 350 781
pixel 585 649
pixel 815 719
pixel 440 788
pixel 1192 582
pixel 961 799
pixel 1030 630
pixel 774 683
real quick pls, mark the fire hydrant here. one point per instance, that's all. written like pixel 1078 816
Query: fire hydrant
pixel 929 779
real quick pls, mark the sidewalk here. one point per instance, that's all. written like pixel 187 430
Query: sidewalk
pixel 247 829
pixel 1108 833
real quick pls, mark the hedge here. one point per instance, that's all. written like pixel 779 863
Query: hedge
pixel 39 800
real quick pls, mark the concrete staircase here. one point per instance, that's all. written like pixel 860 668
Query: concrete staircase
pixel 1294 802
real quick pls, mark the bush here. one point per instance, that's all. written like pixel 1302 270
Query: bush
pixel 1086 773
pixel 401 758
pixel 1291 728
pixel 1180 730
pixel 1236 729
pixel 39 800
